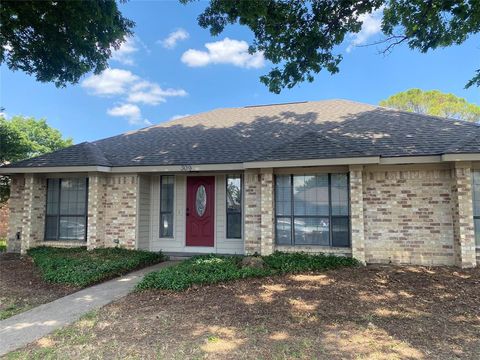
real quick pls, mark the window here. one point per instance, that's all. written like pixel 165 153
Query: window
pixel 476 205
pixel 66 217
pixel 312 210
pixel 166 206
pixel 234 207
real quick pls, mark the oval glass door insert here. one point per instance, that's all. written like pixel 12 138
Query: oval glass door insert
pixel 201 200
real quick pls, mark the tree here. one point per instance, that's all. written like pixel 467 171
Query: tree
pixel 59 41
pixel 299 37
pixel 435 103
pixel 25 137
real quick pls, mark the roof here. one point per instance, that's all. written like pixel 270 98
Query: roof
pixel 292 131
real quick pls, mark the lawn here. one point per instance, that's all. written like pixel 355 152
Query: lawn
pixel 373 312
pixel 49 273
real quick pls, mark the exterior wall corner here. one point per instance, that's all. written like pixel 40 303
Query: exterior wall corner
pixel 267 218
pixel 252 222
pixel 464 235
pixel 356 213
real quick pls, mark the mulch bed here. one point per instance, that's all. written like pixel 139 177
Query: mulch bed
pixel 21 285
pixel 375 312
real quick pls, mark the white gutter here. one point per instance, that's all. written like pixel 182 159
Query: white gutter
pixel 247 165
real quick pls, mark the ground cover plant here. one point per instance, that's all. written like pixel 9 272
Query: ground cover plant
pixel 211 269
pixel 79 267
pixel 3 245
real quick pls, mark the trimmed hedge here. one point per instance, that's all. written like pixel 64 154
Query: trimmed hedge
pixel 211 269
pixel 79 267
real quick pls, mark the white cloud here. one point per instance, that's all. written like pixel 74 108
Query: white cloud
pixel 151 93
pixel 179 116
pixel 173 38
pixel 124 54
pixel 110 82
pixel 371 26
pixel 131 90
pixel 226 51
pixel 131 112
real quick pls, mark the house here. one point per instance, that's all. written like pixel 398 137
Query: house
pixel 335 176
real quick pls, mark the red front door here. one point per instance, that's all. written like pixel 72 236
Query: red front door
pixel 200 210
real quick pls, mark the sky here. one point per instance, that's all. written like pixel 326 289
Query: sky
pixel 172 67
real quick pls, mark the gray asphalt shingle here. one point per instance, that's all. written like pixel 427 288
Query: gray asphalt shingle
pixel 306 130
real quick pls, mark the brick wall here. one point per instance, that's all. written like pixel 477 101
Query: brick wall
pixel 253 216
pixel 15 203
pixel 121 210
pixel 4 220
pixel 267 218
pixel 464 235
pixel 408 216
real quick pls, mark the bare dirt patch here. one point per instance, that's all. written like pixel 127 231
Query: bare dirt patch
pixel 21 286
pixel 353 313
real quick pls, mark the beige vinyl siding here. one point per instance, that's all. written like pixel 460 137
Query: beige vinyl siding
pixel 177 243
pixel 144 213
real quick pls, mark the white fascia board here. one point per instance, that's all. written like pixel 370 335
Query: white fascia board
pixel 461 157
pixel 410 160
pixel 178 168
pixel 312 162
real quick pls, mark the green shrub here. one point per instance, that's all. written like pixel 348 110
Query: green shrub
pixel 79 267
pixel 211 269
pixel 285 263
pixel 3 245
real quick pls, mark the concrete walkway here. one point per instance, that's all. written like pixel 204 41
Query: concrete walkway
pixel 24 328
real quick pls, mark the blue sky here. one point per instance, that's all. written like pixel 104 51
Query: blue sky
pixel 153 80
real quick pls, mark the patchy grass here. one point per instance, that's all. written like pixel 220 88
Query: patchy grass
pixel 10 307
pixel 79 267
pixel 3 245
pixel 212 269
pixel 76 335
pixel 347 313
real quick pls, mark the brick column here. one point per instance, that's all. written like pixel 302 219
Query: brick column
pixel 15 220
pixel 34 208
pixel 252 238
pixel 267 219
pixel 96 211
pixel 356 213
pixel 464 237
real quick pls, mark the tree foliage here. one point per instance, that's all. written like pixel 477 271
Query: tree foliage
pixel 24 137
pixel 299 37
pixel 435 103
pixel 59 41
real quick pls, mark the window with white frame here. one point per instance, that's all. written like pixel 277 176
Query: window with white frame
pixel 476 205
pixel 166 205
pixel 66 213
pixel 234 206
pixel 312 210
